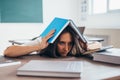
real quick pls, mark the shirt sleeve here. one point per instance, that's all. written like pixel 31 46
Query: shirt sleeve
pixel 33 42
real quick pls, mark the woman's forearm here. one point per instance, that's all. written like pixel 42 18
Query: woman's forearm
pixel 35 45
pixel 15 51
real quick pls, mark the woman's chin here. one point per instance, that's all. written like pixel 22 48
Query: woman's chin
pixel 63 55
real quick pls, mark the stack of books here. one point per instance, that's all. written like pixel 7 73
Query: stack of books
pixel 109 55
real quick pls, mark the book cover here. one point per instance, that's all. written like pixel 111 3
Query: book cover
pixel 51 68
pixel 59 24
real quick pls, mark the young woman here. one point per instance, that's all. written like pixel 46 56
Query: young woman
pixel 67 44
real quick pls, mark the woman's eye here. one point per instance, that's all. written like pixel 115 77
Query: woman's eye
pixel 61 43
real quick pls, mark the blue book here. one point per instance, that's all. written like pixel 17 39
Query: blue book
pixel 59 24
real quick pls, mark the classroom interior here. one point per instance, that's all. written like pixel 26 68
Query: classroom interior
pixel 98 25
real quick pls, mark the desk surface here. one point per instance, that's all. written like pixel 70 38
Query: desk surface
pixel 91 70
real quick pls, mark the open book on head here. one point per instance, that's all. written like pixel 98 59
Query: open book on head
pixel 59 24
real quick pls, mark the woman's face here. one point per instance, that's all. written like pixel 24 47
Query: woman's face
pixel 65 44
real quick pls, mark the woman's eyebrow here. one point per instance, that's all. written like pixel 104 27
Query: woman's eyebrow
pixel 61 42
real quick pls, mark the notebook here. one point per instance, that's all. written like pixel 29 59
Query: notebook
pixel 51 68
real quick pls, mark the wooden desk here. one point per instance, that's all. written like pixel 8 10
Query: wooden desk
pixel 91 70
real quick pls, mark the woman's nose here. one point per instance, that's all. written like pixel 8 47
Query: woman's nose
pixel 66 47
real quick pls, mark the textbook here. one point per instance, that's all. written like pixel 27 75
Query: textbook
pixel 59 24
pixel 111 55
pixel 7 62
pixel 47 68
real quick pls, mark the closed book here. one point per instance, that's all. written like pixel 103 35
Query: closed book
pixel 59 24
pixel 111 55
pixel 51 68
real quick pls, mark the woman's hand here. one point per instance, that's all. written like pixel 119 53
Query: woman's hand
pixel 44 43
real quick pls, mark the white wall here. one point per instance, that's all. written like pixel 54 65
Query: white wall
pixel 106 21
pixel 51 9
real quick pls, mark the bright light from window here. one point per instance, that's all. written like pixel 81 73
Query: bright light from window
pixel 99 6
pixel 114 4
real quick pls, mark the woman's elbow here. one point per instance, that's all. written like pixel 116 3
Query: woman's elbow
pixel 8 52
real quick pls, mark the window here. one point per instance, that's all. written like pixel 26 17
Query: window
pixel 103 6
pixel 114 4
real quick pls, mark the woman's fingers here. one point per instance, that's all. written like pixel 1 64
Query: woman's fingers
pixel 49 35
pixel 44 43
